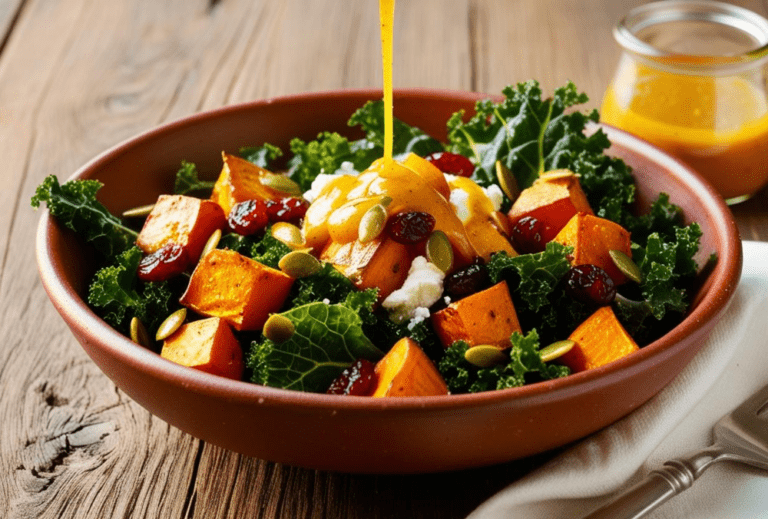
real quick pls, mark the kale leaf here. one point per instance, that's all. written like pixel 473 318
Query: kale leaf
pixel 267 250
pixel 263 156
pixel 524 366
pixel 328 338
pixel 117 295
pixel 74 205
pixel 188 180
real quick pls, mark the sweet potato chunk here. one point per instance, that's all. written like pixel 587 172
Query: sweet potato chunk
pixel 487 317
pixel 553 199
pixel 407 371
pixel 240 290
pixel 429 172
pixel 381 263
pixel 591 238
pixel 599 340
pixel 240 180
pixel 184 220
pixel 208 345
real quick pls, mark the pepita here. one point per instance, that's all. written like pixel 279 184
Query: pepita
pixel 507 181
pixel 172 323
pixel 501 222
pixel 440 251
pixel 139 333
pixel 372 223
pixel 625 264
pixel 556 174
pixel 281 183
pixel 278 328
pixel 289 234
pixel 299 264
pixel 556 349
pixel 485 356
pixel 211 244
pixel 385 200
pixel 138 212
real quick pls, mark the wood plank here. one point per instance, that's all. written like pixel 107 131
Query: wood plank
pixel 9 13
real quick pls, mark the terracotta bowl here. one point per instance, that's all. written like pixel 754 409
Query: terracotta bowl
pixel 356 434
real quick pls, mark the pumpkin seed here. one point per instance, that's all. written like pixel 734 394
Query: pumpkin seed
pixel 440 251
pixel 557 174
pixel 501 222
pixel 372 223
pixel 281 183
pixel 172 323
pixel 556 349
pixel 212 243
pixel 385 200
pixel 507 181
pixel 485 356
pixel 139 333
pixel 289 234
pixel 299 264
pixel 278 328
pixel 138 212
pixel 625 264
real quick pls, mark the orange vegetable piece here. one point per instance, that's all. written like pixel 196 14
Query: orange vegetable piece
pixel 240 180
pixel 591 238
pixel 599 340
pixel 184 220
pixel 381 263
pixel 429 172
pixel 487 317
pixel 240 290
pixel 407 371
pixel 208 345
pixel 553 199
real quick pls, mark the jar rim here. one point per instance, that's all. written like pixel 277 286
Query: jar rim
pixel 665 11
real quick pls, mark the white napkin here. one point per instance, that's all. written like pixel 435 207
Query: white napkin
pixel 731 366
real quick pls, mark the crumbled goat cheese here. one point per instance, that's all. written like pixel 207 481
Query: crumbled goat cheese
pixel 422 288
pixel 419 315
pixel 496 195
pixel 320 181
pixel 458 200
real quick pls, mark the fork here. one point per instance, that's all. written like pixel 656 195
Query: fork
pixel 740 436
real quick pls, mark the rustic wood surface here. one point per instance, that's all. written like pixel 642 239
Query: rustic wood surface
pixel 78 76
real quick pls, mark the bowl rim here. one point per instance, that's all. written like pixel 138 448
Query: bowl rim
pixel 79 315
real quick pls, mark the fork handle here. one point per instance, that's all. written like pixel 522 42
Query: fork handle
pixel 658 487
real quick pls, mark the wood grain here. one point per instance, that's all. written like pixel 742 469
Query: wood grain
pixel 78 76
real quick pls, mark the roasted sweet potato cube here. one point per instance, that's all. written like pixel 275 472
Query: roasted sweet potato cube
pixel 592 238
pixel 487 317
pixel 240 180
pixel 240 290
pixel 553 199
pixel 208 345
pixel 184 220
pixel 407 371
pixel 381 263
pixel 429 172
pixel 599 340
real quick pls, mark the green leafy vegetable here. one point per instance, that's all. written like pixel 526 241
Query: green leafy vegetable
pixel 327 340
pixel 118 295
pixel 74 205
pixel 524 365
pixel 266 250
pixel 188 180
pixel 262 156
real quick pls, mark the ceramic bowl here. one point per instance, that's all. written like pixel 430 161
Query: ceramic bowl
pixel 357 434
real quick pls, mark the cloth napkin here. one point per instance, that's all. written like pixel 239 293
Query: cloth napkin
pixel 731 366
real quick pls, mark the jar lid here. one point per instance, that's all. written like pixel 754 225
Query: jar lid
pixel 695 34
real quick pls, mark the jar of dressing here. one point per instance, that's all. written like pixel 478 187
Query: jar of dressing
pixel 693 80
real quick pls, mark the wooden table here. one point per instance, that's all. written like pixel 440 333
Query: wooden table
pixel 77 76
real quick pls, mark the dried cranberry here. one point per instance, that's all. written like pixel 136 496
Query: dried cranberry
pixel 248 217
pixel 410 228
pixel 529 235
pixel 467 281
pixel 590 284
pixel 169 260
pixel 359 379
pixel 452 163
pixel 289 209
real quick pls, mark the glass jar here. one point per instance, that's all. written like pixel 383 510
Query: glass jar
pixel 693 80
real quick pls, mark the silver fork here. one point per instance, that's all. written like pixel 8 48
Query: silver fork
pixel 740 436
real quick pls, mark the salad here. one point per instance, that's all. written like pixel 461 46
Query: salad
pixel 505 256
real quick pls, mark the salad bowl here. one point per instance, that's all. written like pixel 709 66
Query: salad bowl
pixel 360 434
